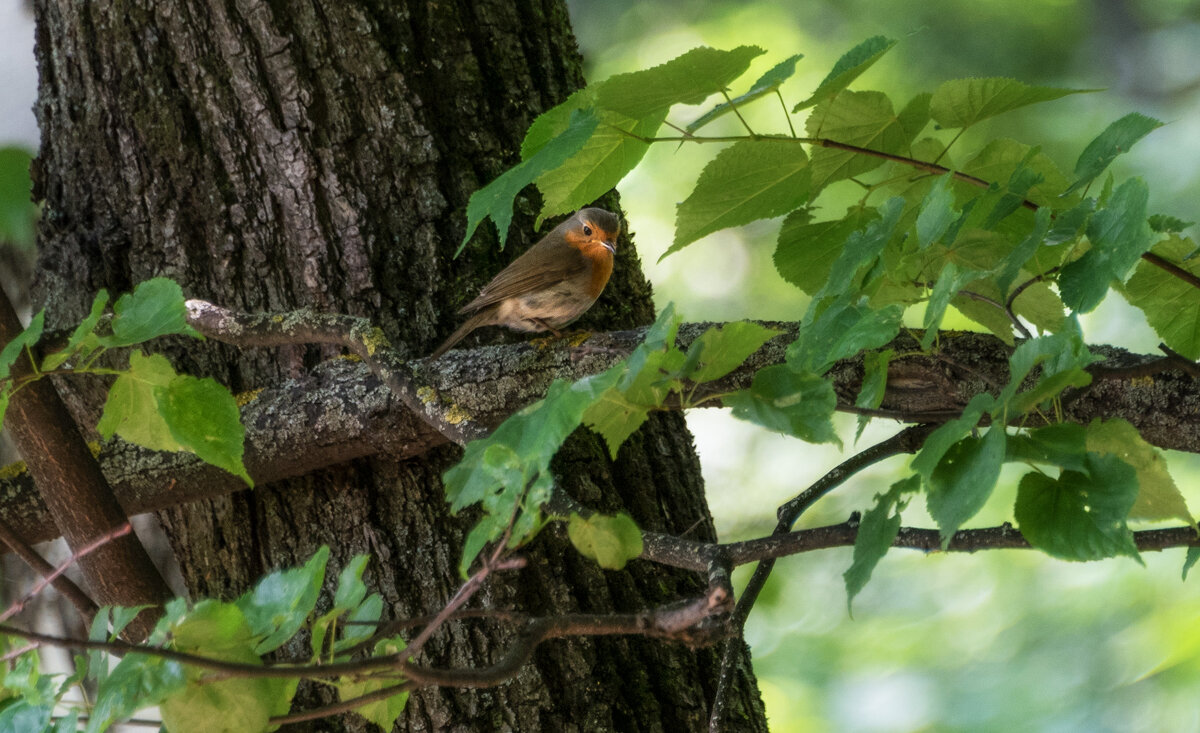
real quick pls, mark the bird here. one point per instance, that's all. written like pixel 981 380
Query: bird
pixel 554 282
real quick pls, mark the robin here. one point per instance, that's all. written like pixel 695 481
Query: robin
pixel 552 284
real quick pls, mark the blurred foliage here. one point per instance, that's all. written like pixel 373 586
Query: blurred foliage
pixel 992 641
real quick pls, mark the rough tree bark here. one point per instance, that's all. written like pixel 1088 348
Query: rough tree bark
pixel 275 155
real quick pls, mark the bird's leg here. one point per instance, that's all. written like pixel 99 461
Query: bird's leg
pixel 547 326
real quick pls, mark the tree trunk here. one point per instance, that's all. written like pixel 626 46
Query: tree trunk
pixel 270 156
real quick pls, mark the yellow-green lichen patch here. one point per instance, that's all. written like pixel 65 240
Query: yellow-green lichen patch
pixel 246 397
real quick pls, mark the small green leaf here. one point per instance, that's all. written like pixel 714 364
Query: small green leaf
pixel 138 681
pixel 351 590
pixel 937 212
pixel 1158 497
pixel 615 417
pixel 383 713
pixel 750 180
pixel 1171 305
pixel 204 418
pixel 25 339
pixel 874 385
pixel 1166 224
pixel 861 250
pixel 81 334
pixel 963 479
pixel 766 84
pixel 1080 516
pixel 963 102
pixel 863 119
pixel 800 404
pixel 849 67
pixel 154 308
pixel 806 251
pixel 1117 138
pixel 950 281
pixel 279 604
pixel 841 330
pixel 940 440
pixel 1193 554
pixel 611 541
pixel 495 199
pixel 1119 235
pixel 876 533
pixel 131 409
pixel 721 349
pixel 687 79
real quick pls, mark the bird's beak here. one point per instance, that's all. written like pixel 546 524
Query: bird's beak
pixel 612 246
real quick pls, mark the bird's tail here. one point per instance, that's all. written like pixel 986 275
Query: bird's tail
pixel 483 318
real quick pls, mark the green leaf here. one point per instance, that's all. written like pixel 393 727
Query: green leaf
pixel 849 67
pixel 1117 138
pixel 841 330
pixel 1020 172
pixel 598 166
pixel 721 349
pixel 279 604
pixel 615 417
pixel 950 281
pixel 800 404
pixel 750 180
pixel 18 213
pixel 876 533
pixel 154 308
pixel 382 713
pixel 1158 497
pixel 611 541
pixel 361 622
pixel 25 339
pixel 861 250
pixel 81 334
pixel 138 681
pixel 806 251
pixel 1171 305
pixel 937 212
pixel 1119 235
pixel 131 409
pixel 766 84
pixel 687 79
pixel 495 199
pixel 351 590
pixel 874 385
pixel 1193 554
pixel 1080 515
pixel 963 102
pixel 963 479
pixel 1166 224
pixel 940 440
pixel 863 119
pixel 1063 357
pixel 204 418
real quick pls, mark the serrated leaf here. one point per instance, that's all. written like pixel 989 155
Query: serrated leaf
pixel 805 253
pixel 278 605
pixel 721 349
pixel 1171 305
pixel 1158 497
pixel 1166 224
pixel 767 83
pixel 799 404
pixel 204 418
pixel 861 250
pixel 1063 357
pixel 611 152
pixel 950 281
pixel 687 79
pixel 876 532
pixel 841 330
pixel 383 713
pixel 611 541
pixel 963 102
pixel 82 333
pixel 1117 138
pixel 937 212
pixel 25 339
pixel 862 119
pixel 350 589
pixel 136 682
pixel 1193 554
pixel 615 418
pixel 963 479
pixel 940 440
pixel 131 409
pixel 1009 164
pixel 750 180
pixel 1119 235
pixel 1080 516
pixel 495 199
pixel 849 67
pixel 154 308
pixel 874 385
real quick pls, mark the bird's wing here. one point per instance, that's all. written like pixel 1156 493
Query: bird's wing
pixel 521 277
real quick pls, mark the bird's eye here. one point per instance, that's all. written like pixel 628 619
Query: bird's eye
pixel 587 230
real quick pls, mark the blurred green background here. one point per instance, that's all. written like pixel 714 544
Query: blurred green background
pixel 1002 641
